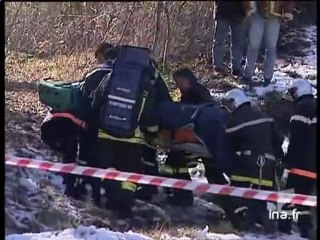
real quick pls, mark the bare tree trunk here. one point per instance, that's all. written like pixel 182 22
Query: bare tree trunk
pixel 166 46
pixel 156 34
pixel 13 22
pixel 126 24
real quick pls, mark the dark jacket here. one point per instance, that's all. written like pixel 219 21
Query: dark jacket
pixel 93 78
pixel 301 152
pixel 197 94
pixel 60 133
pixel 229 10
pixel 251 133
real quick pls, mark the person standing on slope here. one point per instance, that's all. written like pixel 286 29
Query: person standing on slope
pixel 264 18
pixel 300 159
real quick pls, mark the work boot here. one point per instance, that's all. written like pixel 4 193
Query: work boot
pixel 236 72
pixel 69 181
pixel 247 81
pixel 305 226
pixel 221 70
pixel 266 82
pixel 285 225
pixel 241 220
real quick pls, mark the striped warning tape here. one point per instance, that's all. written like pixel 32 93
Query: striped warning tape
pixel 164 182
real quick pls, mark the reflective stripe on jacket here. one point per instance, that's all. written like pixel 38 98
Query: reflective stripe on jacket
pixel 303 173
pixel 256 181
pixel 69 116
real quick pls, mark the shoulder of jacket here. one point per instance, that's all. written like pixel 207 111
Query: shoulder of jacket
pixel 98 69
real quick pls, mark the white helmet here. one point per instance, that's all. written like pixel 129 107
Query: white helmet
pixel 299 88
pixel 235 98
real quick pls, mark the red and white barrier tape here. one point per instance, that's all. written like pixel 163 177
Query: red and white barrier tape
pixel 164 182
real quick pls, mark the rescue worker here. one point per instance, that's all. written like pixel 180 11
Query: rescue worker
pixel 300 159
pixel 149 153
pixel 178 162
pixel 125 154
pixel 66 131
pixel 60 131
pixel 105 54
pixel 256 145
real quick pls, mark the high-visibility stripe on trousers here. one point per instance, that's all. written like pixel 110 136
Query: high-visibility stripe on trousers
pixel 256 181
pixel 303 173
pixel 128 186
pixel 171 171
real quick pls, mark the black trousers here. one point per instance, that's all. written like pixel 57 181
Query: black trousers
pixel 255 210
pixel 214 174
pixel 88 157
pixel 69 148
pixel 301 185
pixel 125 157
pixel 178 162
pixel 150 167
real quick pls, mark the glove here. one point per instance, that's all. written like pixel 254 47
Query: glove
pixel 287 17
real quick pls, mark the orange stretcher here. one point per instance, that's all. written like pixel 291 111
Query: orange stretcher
pixel 185 139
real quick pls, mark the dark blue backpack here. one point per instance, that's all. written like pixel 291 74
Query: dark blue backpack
pixel 125 92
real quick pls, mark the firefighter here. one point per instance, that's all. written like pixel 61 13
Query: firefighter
pixel 125 154
pixel 178 162
pixel 256 145
pixel 105 54
pixel 300 159
pixel 60 132
pixel 149 153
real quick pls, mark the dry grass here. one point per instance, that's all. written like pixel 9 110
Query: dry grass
pixel 23 73
pixel 179 232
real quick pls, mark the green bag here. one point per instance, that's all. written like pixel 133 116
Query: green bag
pixel 60 96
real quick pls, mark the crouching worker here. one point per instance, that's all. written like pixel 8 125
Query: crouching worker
pixel 69 124
pixel 253 140
pixel 178 162
pixel 300 159
pixel 60 131
pixel 121 105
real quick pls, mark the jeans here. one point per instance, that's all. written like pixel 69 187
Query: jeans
pixel 222 29
pixel 264 31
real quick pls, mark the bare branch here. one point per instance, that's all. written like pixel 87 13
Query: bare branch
pixel 156 34
pixel 126 24
pixel 13 22
pixel 166 46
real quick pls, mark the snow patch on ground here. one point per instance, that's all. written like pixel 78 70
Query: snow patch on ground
pixel 92 233
pixel 305 66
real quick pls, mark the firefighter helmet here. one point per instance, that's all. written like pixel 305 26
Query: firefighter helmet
pixel 298 88
pixel 235 98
